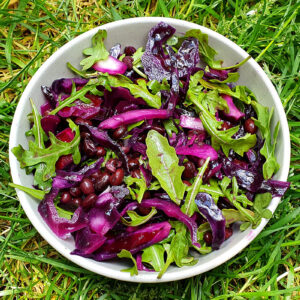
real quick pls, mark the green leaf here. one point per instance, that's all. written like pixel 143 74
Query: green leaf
pixel 137 90
pixel 221 138
pixel 170 127
pixel 49 156
pixel 164 165
pixel 133 125
pixel 232 77
pixel 136 219
pixel 205 51
pixel 245 226
pixel 189 207
pixel 235 66
pixel 263 122
pixel 126 254
pixel 38 194
pixel 233 215
pixel 137 55
pixel 96 52
pixel 156 86
pixel 141 187
pixel 154 255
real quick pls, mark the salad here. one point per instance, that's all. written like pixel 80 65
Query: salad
pixel 151 154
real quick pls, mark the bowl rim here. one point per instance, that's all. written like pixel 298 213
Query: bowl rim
pixel 145 277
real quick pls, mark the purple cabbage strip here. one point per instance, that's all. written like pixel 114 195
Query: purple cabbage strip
pixel 133 241
pixel 50 96
pixel 191 123
pixel 65 179
pixel 111 65
pixel 60 226
pixel 214 216
pixel 80 109
pixel 50 123
pixel 173 211
pixel 204 151
pixel 140 265
pixel 234 113
pixel 87 242
pixel 134 116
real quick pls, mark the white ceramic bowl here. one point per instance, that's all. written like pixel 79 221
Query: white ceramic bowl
pixel 134 32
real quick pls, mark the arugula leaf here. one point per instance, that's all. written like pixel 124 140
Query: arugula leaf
pixel 189 206
pixel 137 55
pixel 156 86
pixel 154 255
pixel 221 138
pixel 233 215
pixel 235 66
pixel 170 127
pixel 49 156
pixel 136 219
pixel 263 122
pixel 126 254
pixel 38 194
pixel 96 52
pixel 261 202
pixel 164 165
pixel 137 90
pixel 136 193
pixel 205 51
pixel 232 77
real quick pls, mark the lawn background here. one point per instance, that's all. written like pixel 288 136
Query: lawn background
pixel 30 31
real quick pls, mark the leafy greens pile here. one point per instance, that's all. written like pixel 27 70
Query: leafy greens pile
pixel 151 155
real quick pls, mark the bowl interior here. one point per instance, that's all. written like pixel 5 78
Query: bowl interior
pixel 134 32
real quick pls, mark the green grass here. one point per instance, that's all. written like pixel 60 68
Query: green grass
pixel 30 31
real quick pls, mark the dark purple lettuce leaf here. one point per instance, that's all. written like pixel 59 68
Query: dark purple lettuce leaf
pixel 64 85
pixel 154 57
pixel 87 242
pixel 214 216
pixel 50 123
pixel 173 211
pixel 275 187
pixel 133 241
pixel 60 226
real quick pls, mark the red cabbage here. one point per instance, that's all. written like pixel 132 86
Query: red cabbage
pixel 50 123
pixel 214 216
pixel 111 66
pixel 62 227
pixel 191 123
pixel 234 113
pixel 64 85
pixel 134 116
pixel 173 211
pixel 133 241
pixel 275 187
pixel 87 242
pixel 204 151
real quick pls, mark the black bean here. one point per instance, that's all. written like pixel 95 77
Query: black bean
pixel 117 177
pixel 208 238
pixel 129 50
pixel 119 132
pixel 186 182
pixel 95 176
pixel 75 191
pixel 228 233
pixel 87 186
pixel 133 163
pixel 89 147
pixel 250 126
pixel 102 182
pixel 189 170
pixel 112 164
pixel 100 151
pixel 159 129
pixel 89 201
pixel 136 173
pixel 76 202
pixel 226 125
pixel 65 197
pixel 127 60
pixel 83 121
